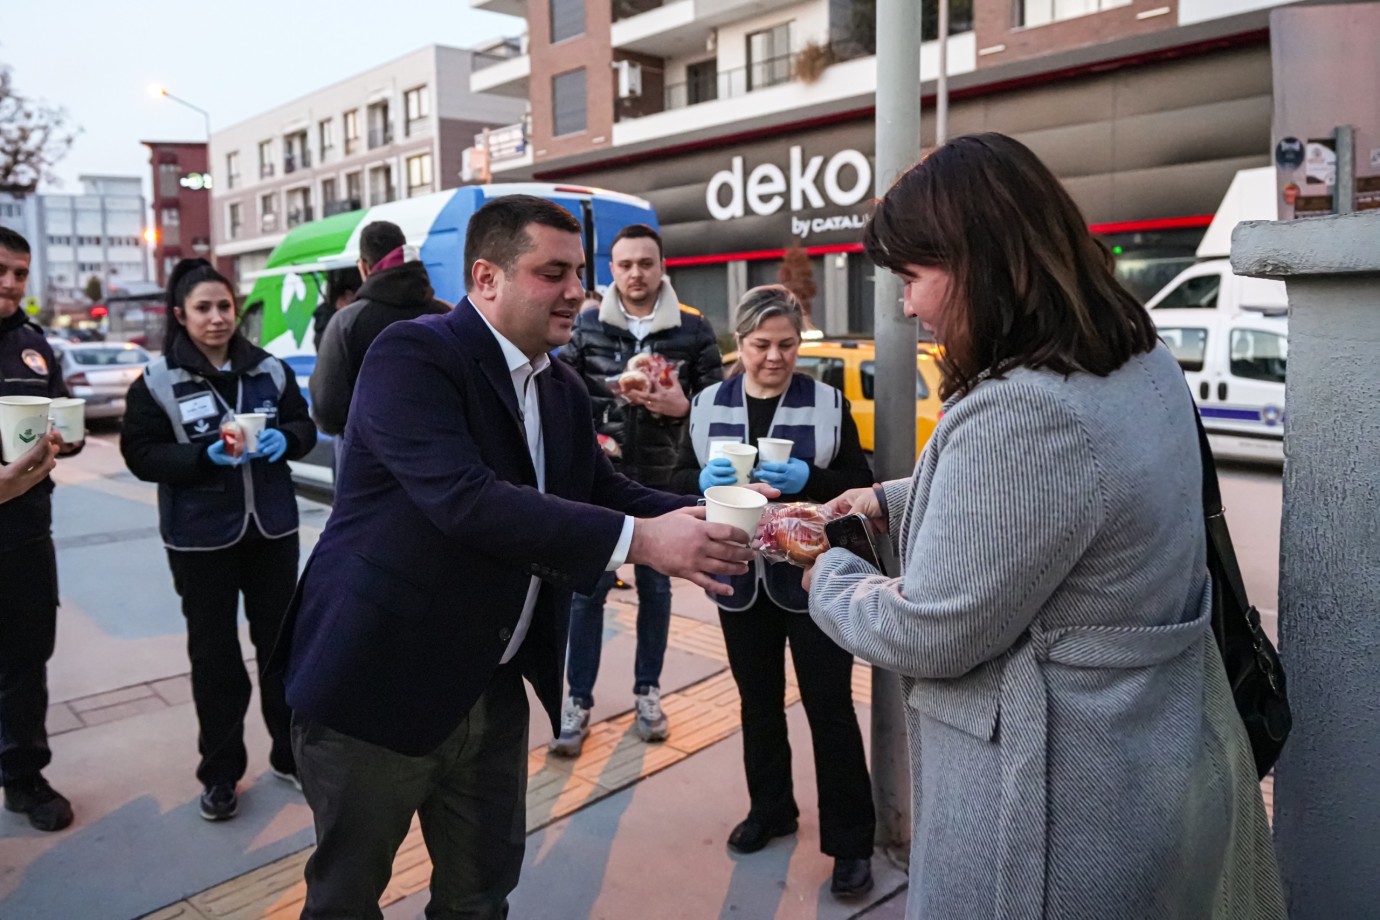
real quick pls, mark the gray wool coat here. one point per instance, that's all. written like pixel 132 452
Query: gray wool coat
pixel 1075 752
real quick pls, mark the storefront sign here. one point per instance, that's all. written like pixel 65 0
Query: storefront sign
pixel 845 180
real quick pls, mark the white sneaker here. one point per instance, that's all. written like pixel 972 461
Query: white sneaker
pixel 574 727
pixel 651 723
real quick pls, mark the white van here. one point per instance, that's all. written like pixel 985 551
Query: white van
pixel 1231 333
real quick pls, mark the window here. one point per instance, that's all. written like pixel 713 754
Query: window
pixel 417 104
pixel 168 176
pixel 296 153
pixel 380 127
pixel 769 56
pixel 567 19
pixel 1041 12
pixel 351 132
pixel 265 159
pixel 171 217
pixel 418 174
pixel 825 370
pixel 702 82
pixel 1199 292
pixel 298 206
pixel 569 114
pixel 381 185
pixel 868 370
pixel 232 169
pixel 1189 346
pixel 1259 355
pixel 235 221
pixel 325 137
pixel 353 190
pixel 268 213
pixel 327 191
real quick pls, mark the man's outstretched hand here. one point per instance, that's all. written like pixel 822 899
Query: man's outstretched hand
pixel 683 544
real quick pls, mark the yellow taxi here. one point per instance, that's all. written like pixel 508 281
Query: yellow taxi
pixel 849 365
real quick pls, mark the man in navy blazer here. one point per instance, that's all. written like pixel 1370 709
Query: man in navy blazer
pixel 472 500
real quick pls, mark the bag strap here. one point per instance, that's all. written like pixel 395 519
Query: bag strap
pixel 1214 515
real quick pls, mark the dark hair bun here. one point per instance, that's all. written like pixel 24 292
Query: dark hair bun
pixel 187 274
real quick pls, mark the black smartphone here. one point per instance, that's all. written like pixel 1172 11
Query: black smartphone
pixel 853 533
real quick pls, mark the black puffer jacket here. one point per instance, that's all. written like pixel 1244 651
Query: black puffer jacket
pixel 600 348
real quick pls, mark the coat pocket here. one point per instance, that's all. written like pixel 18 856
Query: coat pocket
pixel 388 590
pixel 971 704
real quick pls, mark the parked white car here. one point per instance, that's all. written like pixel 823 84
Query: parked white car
pixel 100 373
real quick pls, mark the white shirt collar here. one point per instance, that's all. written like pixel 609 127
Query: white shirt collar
pixel 513 355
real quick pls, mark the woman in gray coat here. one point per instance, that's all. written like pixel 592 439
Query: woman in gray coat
pixel 1075 752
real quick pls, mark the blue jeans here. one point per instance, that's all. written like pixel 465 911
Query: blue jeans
pixel 587 633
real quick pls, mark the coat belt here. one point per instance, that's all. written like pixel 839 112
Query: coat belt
pixel 1025 735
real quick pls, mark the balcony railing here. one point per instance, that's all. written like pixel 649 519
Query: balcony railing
pixel 351 146
pixel 295 161
pixel 510 49
pixel 341 206
pixel 268 223
pixel 761 74
pixel 378 137
pixel 626 9
pixel 383 195
pixel 296 216
pixel 265 170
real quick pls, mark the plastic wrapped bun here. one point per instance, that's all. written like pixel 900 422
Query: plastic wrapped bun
pixel 792 533
pixel 633 382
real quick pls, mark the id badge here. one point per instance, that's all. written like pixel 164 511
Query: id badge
pixel 195 408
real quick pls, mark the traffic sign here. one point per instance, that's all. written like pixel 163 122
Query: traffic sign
pixel 31 306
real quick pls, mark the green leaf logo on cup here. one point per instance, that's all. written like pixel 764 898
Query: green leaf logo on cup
pixel 28 436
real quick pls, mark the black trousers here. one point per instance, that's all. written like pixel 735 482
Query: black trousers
pixel 756 640
pixel 28 630
pixel 210 584
pixel 469 794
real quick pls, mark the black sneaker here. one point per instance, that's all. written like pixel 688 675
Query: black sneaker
pixel 48 810
pixel 852 878
pixel 752 835
pixel 219 802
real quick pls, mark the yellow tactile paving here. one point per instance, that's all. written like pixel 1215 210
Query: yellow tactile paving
pixel 613 758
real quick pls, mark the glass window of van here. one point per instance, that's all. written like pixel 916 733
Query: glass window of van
pixel 825 370
pixel 1259 355
pixel 869 382
pixel 1189 346
pixel 1199 292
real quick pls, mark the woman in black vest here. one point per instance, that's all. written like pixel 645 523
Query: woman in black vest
pixel 229 523
pixel 767 398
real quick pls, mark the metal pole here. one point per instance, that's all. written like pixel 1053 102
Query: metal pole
pixel 1344 192
pixel 941 103
pixel 898 147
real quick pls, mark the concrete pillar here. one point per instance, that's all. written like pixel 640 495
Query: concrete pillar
pixel 1327 783
pixel 831 307
pixel 736 279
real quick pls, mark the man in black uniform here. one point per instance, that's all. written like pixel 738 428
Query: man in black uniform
pixel 28 562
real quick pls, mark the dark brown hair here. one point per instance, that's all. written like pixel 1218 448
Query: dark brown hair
pixel 1035 288
pixel 497 232
pixel 639 232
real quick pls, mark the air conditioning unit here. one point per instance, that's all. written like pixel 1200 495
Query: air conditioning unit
pixel 629 79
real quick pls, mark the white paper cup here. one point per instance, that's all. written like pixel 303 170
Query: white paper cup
pixel 23 420
pixel 252 424
pixel 716 448
pixel 775 450
pixel 742 508
pixel 69 419
pixel 743 457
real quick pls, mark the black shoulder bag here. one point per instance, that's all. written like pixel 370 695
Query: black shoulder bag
pixel 1253 668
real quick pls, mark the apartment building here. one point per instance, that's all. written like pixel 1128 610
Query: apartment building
pixel 22 213
pixel 96 234
pixel 394 131
pixel 181 204
pixel 750 124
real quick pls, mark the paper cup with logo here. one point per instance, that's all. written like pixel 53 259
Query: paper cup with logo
pixel 734 505
pixel 69 419
pixel 23 420
pixel 743 457
pixel 251 425
pixel 774 450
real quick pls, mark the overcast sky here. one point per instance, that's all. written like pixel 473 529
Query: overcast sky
pixel 98 59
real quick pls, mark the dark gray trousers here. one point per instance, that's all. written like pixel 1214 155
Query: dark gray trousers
pixel 470 796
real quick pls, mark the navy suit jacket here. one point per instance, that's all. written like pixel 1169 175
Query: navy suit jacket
pixel 416 585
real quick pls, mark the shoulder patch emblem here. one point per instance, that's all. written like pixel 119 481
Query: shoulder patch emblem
pixel 35 361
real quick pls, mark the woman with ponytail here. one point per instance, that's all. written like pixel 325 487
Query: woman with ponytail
pixel 229 521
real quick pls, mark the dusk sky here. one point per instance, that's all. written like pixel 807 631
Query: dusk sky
pixel 98 60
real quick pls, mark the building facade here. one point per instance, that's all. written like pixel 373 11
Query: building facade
pixel 98 234
pixel 391 132
pixel 23 213
pixel 750 124
pixel 181 204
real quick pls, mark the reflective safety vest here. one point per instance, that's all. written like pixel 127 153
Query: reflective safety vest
pixel 810 414
pixel 216 512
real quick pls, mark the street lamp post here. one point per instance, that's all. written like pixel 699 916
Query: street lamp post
pixel 163 92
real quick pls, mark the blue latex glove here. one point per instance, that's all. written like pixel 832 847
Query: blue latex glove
pixel 272 444
pixel 219 457
pixel 790 477
pixel 719 472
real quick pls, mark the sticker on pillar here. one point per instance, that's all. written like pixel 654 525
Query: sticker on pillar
pixel 1291 194
pixel 1320 162
pixel 1289 153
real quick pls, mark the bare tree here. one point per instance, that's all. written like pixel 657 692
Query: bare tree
pixel 798 276
pixel 33 137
